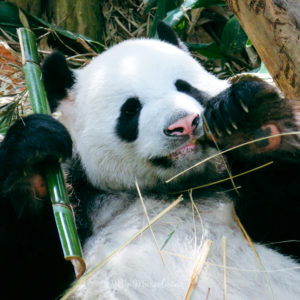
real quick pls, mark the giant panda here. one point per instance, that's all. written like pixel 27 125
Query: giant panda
pixel 139 114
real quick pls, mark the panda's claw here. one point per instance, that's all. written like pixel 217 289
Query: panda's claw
pixel 219 134
pixel 244 106
pixel 233 124
pixel 228 131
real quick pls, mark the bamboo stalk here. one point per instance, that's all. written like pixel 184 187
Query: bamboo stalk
pixel 62 210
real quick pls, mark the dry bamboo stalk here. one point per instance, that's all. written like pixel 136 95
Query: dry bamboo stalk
pixel 198 268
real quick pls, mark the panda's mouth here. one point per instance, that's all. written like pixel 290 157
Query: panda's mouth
pixel 183 151
pixel 180 153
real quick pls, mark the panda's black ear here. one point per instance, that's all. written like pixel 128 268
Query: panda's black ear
pixel 57 77
pixel 167 34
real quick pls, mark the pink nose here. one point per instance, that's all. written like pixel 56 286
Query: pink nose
pixel 184 126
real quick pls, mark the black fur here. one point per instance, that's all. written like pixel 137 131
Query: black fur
pixel 167 34
pixel 128 121
pixel 255 96
pixel 29 142
pixel 32 258
pixel 162 162
pixel 57 77
pixel 268 202
pixel 83 198
pixel 185 87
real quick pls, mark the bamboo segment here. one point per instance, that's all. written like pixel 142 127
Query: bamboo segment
pixel 64 218
pixel 37 92
pixel 63 213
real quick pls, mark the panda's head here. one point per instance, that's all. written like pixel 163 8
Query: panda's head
pixel 135 112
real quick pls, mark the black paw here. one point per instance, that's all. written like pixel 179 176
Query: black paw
pixel 27 145
pixel 244 106
pixel 33 139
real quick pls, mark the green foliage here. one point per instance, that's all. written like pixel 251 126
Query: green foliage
pixel 229 41
pixel 175 16
pixel 8 113
pixel 209 50
pixel 160 13
pixel 228 38
pixel 233 37
pixel 9 18
pixel 12 17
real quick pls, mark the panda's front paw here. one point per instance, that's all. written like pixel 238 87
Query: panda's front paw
pixel 27 145
pixel 241 105
pixel 33 139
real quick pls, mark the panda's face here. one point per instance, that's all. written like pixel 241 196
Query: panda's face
pixel 138 113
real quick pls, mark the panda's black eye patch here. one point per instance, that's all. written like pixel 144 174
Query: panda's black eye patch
pixel 131 107
pixel 184 87
pixel 128 121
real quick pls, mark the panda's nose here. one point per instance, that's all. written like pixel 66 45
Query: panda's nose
pixel 183 126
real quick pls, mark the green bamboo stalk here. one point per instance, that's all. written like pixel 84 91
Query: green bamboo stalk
pixel 63 213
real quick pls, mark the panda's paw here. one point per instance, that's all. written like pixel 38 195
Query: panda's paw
pixel 33 139
pixel 27 144
pixel 241 107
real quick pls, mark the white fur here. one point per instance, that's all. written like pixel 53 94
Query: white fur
pixel 137 272
pixel 148 69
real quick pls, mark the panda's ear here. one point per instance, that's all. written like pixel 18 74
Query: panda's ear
pixel 57 77
pixel 167 34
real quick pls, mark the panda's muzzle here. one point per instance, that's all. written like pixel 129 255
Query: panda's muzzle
pixel 183 135
pixel 186 126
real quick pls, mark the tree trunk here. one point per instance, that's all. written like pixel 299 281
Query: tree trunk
pixel 79 16
pixel 273 26
pixel 32 6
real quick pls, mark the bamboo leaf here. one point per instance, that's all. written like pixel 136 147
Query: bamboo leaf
pixel 8 112
pixel 9 17
pixel 23 19
pixel 176 15
pixel 234 38
pixel 167 240
pixel 3 130
pixel 150 4
pixel 160 13
pixel 209 50
pixel 61 206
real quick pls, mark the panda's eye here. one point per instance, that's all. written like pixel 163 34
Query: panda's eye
pixel 131 107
